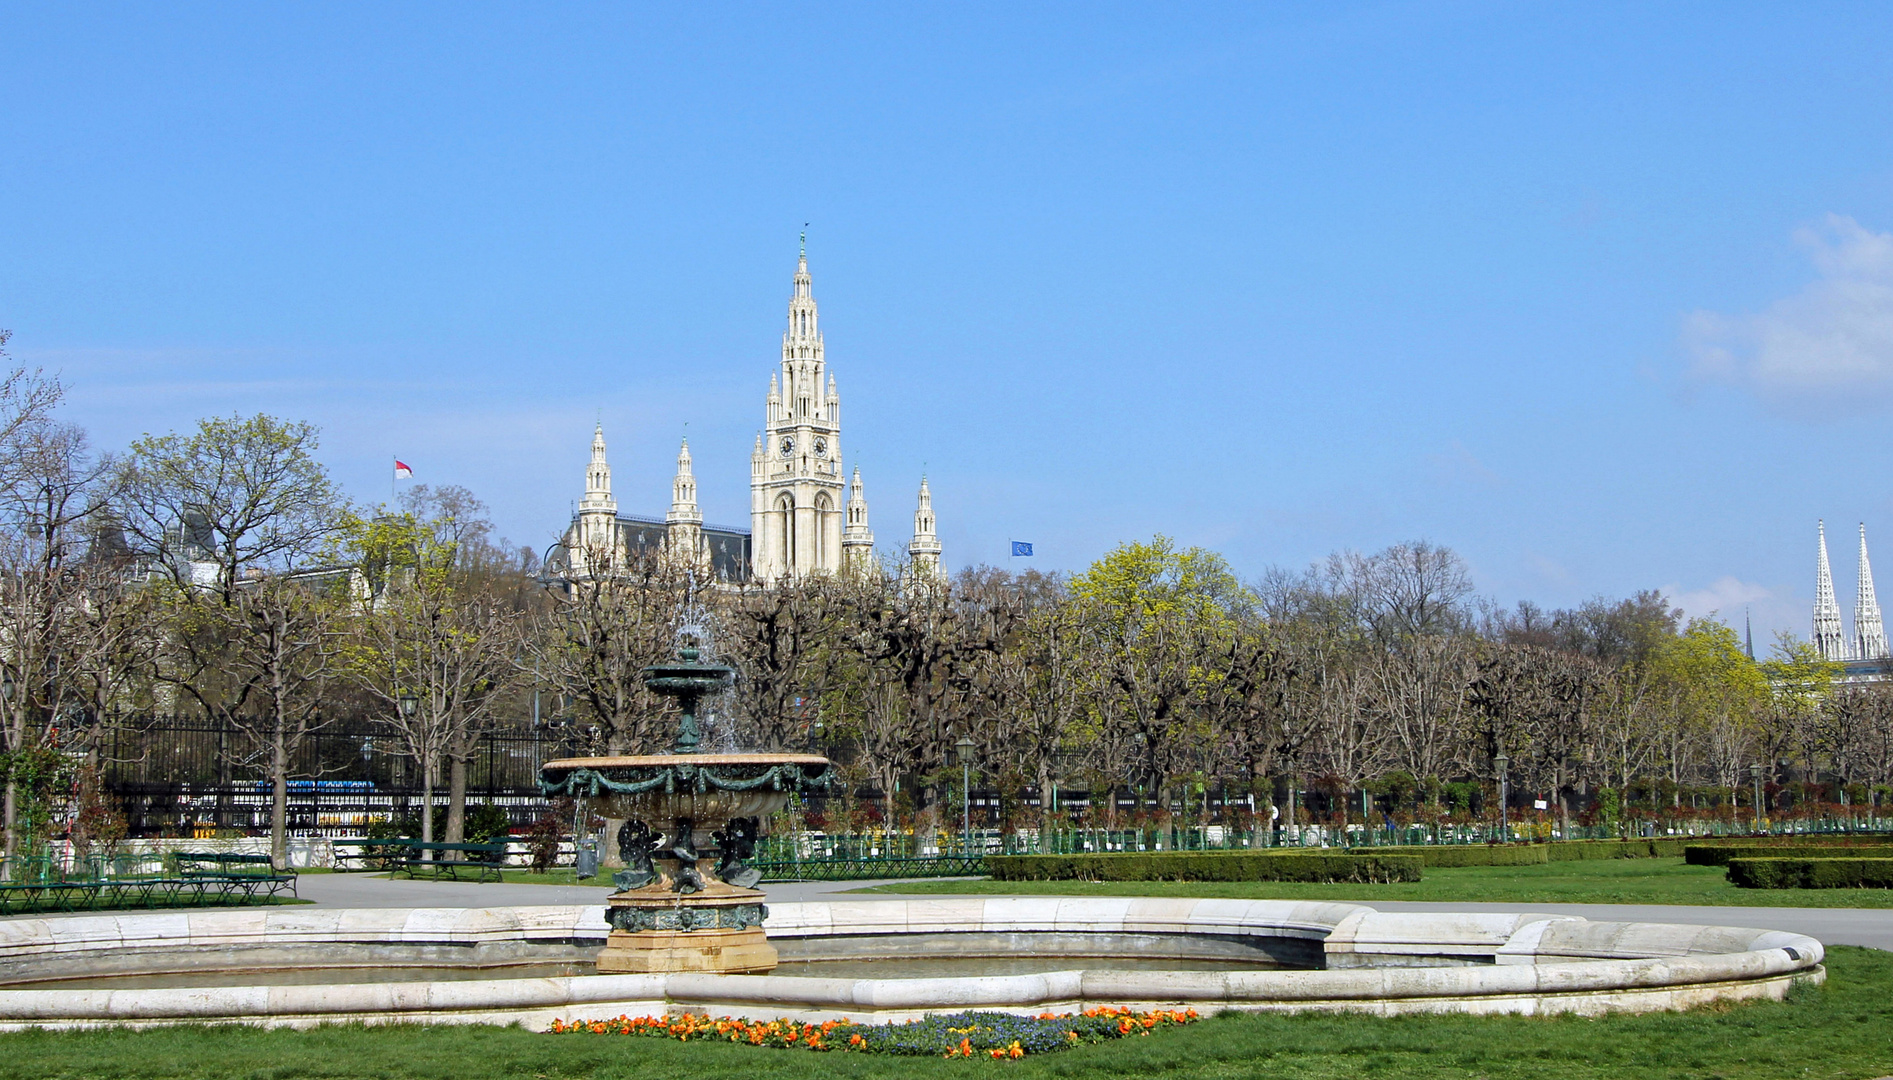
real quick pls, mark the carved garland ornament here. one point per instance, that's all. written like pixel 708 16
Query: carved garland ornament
pixel 787 776
pixel 737 917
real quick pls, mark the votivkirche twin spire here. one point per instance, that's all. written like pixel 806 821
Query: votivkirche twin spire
pixel 1869 637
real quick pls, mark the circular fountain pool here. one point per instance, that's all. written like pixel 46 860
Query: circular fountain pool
pixel 872 959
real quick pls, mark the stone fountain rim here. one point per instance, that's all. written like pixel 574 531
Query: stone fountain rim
pixel 637 761
pixel 1529 963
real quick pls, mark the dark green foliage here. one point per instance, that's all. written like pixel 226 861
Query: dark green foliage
pixel 1720 854
pixel 1480 854
pixel 1804 873
pixel 1206 866
pixel 487 824
pixel 1581 850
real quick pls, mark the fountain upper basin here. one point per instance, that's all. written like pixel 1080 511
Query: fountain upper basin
pixel 702 787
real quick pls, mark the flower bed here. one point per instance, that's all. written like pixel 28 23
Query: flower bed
pixel 962 1035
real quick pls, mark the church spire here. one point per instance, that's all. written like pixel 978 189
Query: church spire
pixel 1869 635
pixel 1828 637
pixel 924 550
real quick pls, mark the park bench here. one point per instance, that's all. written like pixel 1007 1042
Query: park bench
pixel 228 872
pixel 199 878
pixel 412 857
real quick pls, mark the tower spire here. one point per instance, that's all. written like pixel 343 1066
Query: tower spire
pixel 1869 636
pixel 683 526
pixel 857 540
pixel 598 476
pixel 1828 637
pixel 592 542
pixel 924 550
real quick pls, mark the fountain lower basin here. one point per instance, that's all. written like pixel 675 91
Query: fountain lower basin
pixel 1332 957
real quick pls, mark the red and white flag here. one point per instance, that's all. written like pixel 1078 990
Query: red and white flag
pixel 401 471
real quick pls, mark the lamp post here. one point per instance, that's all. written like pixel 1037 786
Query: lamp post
pixel 1755 775
pixel 965 748
pixel 1505 820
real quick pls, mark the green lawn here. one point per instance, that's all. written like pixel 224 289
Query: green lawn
pixel 1843 1031
pixel 1600 881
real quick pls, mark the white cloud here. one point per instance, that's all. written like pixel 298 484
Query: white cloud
pixel 1830 342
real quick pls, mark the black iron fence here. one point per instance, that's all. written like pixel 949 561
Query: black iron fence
pixel 185 776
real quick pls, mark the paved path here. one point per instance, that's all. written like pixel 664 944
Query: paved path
pixel 1833 926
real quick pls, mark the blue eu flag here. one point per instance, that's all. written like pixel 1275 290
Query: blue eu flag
pixel 1020 547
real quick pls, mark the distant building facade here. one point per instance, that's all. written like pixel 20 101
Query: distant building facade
pixel 804 518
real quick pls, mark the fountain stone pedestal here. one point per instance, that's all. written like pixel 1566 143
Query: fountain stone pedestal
pixel 686 899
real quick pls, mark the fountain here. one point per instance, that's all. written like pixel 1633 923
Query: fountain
pixel 686 899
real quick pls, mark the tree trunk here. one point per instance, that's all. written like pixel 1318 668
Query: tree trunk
pixel 11 841
pixel 279 799
pixel 427 800
pixel 456 800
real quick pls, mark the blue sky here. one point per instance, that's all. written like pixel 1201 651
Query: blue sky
pixel 1600 296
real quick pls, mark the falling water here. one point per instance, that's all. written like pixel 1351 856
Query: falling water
pixel 696 628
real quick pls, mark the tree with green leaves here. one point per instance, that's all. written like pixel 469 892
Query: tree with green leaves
pixel 233 518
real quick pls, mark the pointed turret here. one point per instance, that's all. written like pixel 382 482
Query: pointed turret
pixel 683 532
pixel 924 550
pixel 1828 636
pixel 598 476
pixel 593 542
pixel 683 491
pixel 1869 636
pixel 857 540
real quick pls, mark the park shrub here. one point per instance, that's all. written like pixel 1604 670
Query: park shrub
pixel 1479 854
pixel 1207 866
pixel 1804 873
pixel 1585 850
pixel 1720 854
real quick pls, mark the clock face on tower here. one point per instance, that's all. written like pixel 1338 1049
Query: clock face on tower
pixel 788 445
pixel 821 447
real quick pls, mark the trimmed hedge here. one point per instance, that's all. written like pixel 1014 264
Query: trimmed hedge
pixel 1205 866
pixel 1479 854
pixel 1720 854
pixel 1837 873
pixel 1584 850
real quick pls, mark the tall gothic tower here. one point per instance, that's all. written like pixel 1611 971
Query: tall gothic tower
pixel 1869 636
pixel 1828 637
pixel 795 485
